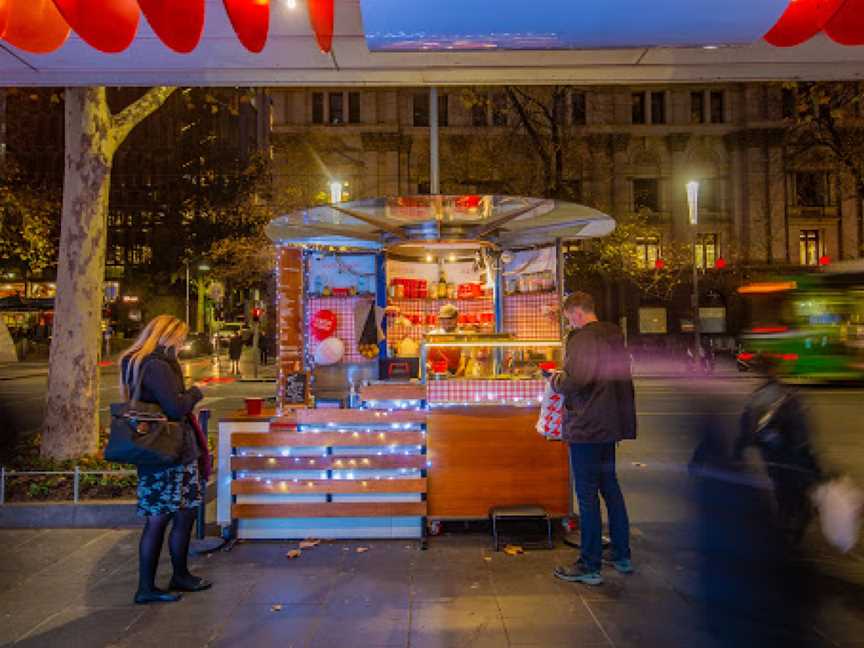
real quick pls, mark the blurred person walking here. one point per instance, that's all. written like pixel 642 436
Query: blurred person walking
pixel 235 350
pixel 150 372
pixel 599 411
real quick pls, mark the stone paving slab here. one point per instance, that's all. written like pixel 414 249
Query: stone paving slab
pixel 74 588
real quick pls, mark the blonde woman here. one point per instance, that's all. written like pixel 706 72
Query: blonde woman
pixel 166 494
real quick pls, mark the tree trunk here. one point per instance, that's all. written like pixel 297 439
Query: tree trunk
pixel 201 289
pixel 72 408
pixel 93 134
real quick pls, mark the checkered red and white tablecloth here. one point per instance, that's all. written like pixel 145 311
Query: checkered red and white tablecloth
pixel 484 391
pixel 528 316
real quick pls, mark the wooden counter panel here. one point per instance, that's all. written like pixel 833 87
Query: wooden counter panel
pixel 327 439
pixel 330 462
pixel 359 417
pixel 328 509
pixel 492 456
pixel 394 391
pixel 327 486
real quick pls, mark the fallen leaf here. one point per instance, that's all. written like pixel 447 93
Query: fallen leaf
pixel 362 549
pixel 276 608
pixel 513 550
pixel 487 558
pixel 309 544
pixel 638 464
pixel 294 553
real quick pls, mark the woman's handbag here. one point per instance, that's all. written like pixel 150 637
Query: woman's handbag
pixel 142 435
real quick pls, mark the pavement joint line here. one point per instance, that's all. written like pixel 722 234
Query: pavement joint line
pixel 105 532
pixel 596 620
pixel 47 619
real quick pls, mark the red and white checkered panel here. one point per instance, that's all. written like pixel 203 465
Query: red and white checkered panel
pixel 527 316
pixel 488 391
pixel 343 307
pixel 426 309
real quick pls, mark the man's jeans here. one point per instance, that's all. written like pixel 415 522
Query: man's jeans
pixel 593 469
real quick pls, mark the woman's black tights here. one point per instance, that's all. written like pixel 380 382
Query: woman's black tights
pixel 150 546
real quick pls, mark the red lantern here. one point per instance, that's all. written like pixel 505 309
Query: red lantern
pixel 659 264
pixel 801 21
pixel 847 25
pixel 32 25
pixel 720 263
pixel 107 26
pixel 323 324
pixel 824 260
pixel 178 23
pixel 251 21
pixel 321 20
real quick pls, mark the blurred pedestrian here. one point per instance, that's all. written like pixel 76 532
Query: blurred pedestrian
pixel 235 350
pixel 599 411
pixel 775 423
pixel 166 494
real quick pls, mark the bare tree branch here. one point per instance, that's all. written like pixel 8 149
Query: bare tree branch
pixel 123 122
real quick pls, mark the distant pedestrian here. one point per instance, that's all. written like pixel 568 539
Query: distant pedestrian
pixel 235 350
pixel 265 345
pixel 599 412
pixel 172 493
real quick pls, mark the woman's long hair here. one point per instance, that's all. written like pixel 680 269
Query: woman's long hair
pixel 163 330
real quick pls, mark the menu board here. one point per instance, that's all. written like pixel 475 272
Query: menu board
pixel 294 391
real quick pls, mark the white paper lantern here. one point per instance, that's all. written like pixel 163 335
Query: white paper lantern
pixel 329 352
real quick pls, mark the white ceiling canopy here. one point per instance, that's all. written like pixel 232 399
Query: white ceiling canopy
pixel 292 57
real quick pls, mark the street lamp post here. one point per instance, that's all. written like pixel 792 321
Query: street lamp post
pixel 693 206
pixel 186 263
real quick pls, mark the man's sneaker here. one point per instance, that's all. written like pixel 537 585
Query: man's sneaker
pixel 579 574
pixel 623 566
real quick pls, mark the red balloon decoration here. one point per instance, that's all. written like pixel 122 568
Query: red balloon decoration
pixel 178 23
pixel 847 25
pixel 108 26
pixel 801 21
pixel 251 21
pixel 323 324
pixel 33 25
pixel 321 20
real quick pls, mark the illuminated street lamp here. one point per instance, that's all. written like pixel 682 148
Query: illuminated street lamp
pixel 335 192
pixel 693 206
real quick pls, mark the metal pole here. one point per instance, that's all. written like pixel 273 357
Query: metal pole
pixel 434 182
pixel 187 293
pixel 2 485
pixel 76 480
pixel 696 323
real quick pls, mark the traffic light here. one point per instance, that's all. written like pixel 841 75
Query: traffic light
pixel 256 314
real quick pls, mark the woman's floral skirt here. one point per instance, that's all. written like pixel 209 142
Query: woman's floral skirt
pixel 169 490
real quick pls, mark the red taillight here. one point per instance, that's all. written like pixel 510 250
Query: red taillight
pixel 746 357
pixel 789 357
pixel 770 329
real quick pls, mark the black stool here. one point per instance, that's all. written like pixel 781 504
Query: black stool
pixel 525 513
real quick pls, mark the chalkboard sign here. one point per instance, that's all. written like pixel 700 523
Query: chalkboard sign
pixel 295 389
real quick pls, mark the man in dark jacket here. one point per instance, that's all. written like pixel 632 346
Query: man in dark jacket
pixel 599 411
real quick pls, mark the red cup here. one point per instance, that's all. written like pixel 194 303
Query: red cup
pixel 253 406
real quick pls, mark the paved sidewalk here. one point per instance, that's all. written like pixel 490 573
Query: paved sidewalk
pixel 73 588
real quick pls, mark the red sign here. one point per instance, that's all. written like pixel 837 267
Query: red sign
pixel 323 324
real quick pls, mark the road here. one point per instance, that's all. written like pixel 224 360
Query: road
pixel 22 394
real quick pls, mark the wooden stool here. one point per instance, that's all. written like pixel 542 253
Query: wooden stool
pixel 524 513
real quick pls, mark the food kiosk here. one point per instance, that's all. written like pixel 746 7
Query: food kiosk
pixel 373 433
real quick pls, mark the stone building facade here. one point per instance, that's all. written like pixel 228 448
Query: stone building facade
pixel 627 149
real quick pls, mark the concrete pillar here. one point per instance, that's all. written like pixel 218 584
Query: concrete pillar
pixel 676 143
pixel 850 219
pixel 778 230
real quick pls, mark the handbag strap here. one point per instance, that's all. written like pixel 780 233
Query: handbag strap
pixel 136 393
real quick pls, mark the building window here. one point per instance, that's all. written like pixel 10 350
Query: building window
pixel 697 107
pixel 709 195
pixel 335 103
pixel 718 107
pixel 638 109
pixel 814 189
pixel 140 254
pixel 646 194
pixel 647 252
pixel 810 247
pixel 115 255
pixel 578 109
pixel 658 107
pixel 421 109
pixel 706 250
pixel 353 107
pixel 573 188
pixel 423 188
pixel 499 109
pixel 789 103
pixel 317 107
pixel 478 114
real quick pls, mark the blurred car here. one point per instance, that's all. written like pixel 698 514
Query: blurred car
pixel 197 344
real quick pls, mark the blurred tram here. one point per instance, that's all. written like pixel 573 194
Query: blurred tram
pixel 810 325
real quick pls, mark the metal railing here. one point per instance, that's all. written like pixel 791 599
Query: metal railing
pixel 76 478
